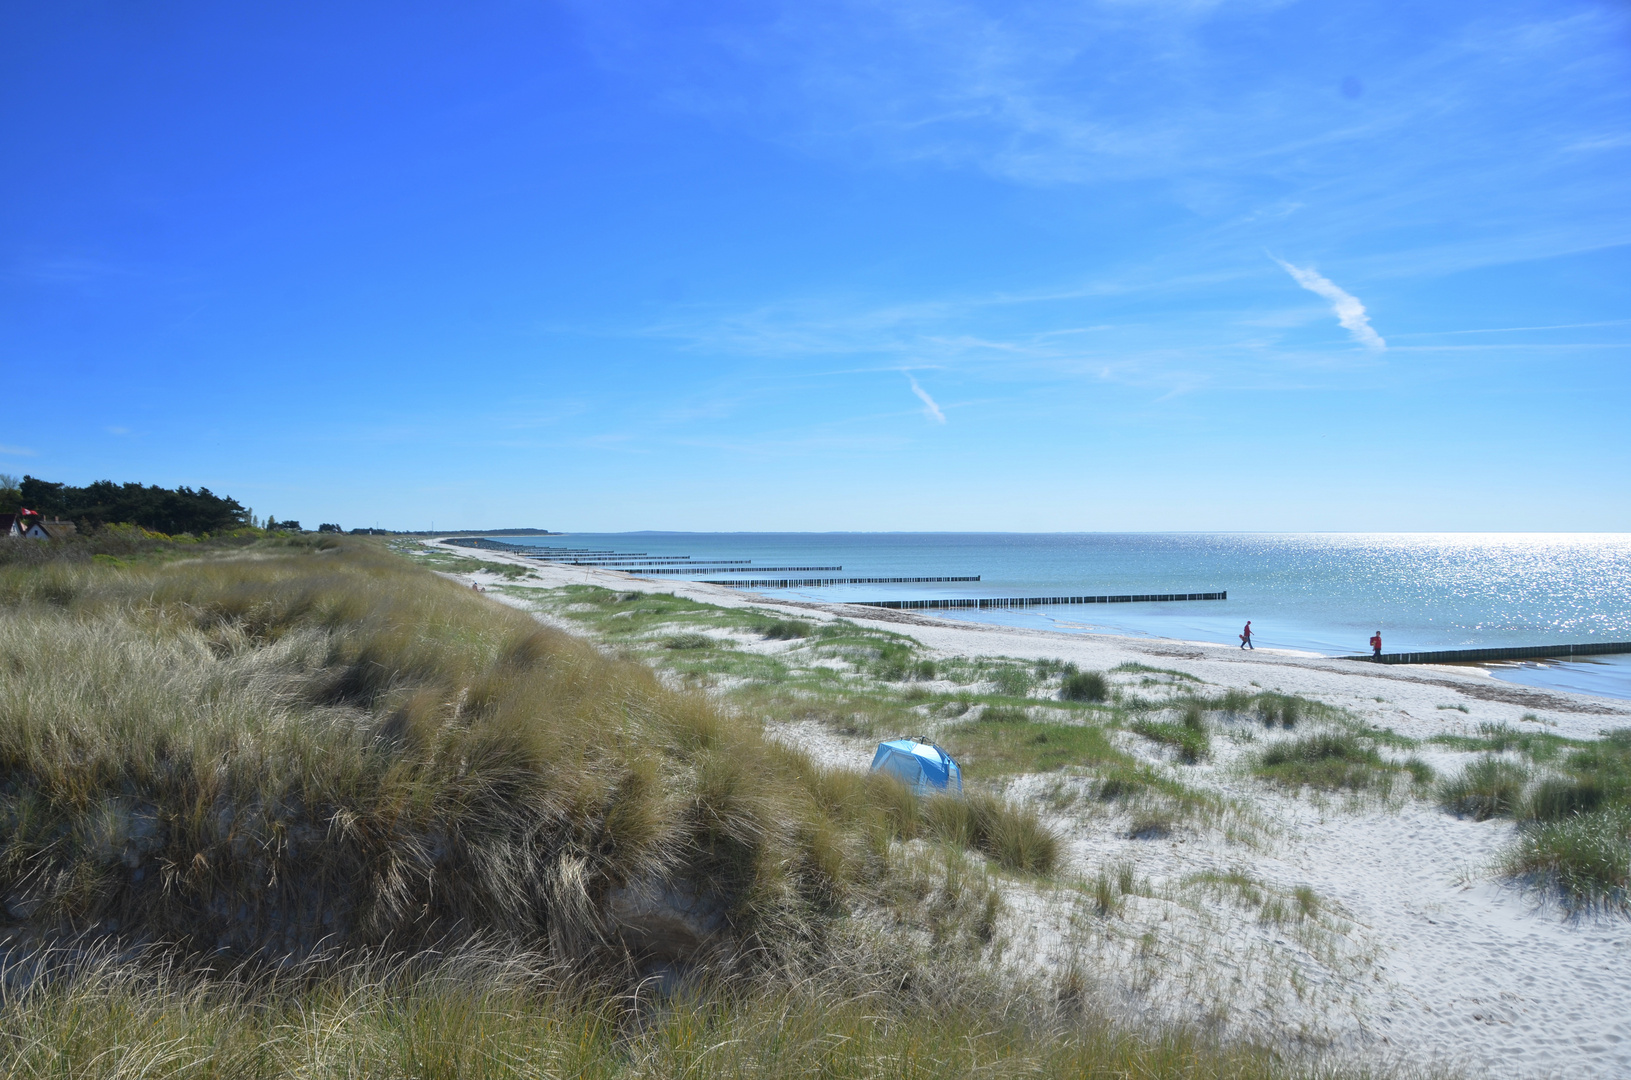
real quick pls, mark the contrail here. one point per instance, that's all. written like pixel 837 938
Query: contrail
pixel 930 409
pixel 1349 311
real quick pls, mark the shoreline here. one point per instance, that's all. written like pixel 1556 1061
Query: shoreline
pixel 1420 687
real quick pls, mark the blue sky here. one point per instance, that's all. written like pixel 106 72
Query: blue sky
pixel 812 265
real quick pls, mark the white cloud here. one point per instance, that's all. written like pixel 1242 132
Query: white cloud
pixel 16 451
pixel 1349 311
pixel 930 409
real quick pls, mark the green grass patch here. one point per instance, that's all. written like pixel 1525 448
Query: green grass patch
pixel 1538 746
pixel 1004 742
pixel 1189 736
pixel 1585 858
pixel 1489 787
pixel 1327 760
pixel 1132 667
pixel 1014 836
pixel 1090 686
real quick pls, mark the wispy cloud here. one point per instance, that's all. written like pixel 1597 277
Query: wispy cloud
pixel 23 451
pixel 930 409
pixel 1349 311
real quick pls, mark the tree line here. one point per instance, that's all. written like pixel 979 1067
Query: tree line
pixel 166 510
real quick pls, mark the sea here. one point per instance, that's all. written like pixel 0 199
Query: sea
pixel 1324 593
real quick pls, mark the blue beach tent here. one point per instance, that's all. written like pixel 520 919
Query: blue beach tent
pixel 922 765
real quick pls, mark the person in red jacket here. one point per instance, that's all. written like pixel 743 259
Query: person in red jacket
pixel 1376 643
pixel 1246 637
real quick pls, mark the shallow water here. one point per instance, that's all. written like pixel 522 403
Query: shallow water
pixel 1321 592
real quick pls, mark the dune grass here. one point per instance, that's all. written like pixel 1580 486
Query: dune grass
pixel 1331 760
pixel 1538 746
pixel 1085 686
pixel 262 755
pixel 1014 837
pixel 1004 742
pixel 1489 787
pixel 491 1019
pixel 1575 818
pixel 1585 858
pixel 1188 736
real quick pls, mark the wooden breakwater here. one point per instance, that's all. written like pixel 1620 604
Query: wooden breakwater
pixel 1475 656
pixel 725 570
pixel 1033 601
pixel 649 562
pixel 793 583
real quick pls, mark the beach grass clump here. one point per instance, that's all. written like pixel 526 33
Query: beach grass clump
pixel 1188 736
pixel 1558 798
pixel 690 640
pixel 893 661
pixel 1584 858
pixel 1538 746
pixel 1111 885
pixel 1576 840
pixel 1049 668
pixel 1013 836
pixel 1326 760
pixel 1133 667
pixel 1090 686
pixel 1010 680
pixel 1283 709
pixel 1490 787
pixel 785 629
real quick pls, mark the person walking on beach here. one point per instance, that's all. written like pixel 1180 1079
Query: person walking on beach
pixel 1246 637
pixel 1376 643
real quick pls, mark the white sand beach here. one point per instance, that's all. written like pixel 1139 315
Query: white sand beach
pixel 1420 955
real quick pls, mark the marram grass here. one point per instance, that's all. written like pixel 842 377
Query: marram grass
pixel 273 754
pixel 483 1017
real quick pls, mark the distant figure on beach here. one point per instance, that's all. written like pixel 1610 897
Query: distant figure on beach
pixel 1376 643
pixel 1246 637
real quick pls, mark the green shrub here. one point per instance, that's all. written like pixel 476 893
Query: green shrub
pixel 1487 788
pixel 692 640
pixel 1085 686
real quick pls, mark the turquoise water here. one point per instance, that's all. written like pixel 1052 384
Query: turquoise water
pixel 1321 592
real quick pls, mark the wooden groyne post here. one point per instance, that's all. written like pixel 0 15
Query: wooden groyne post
pixel 1475 656
pixel 793 583
pixel 1033 601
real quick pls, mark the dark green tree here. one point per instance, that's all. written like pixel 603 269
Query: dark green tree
pixel 168 510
